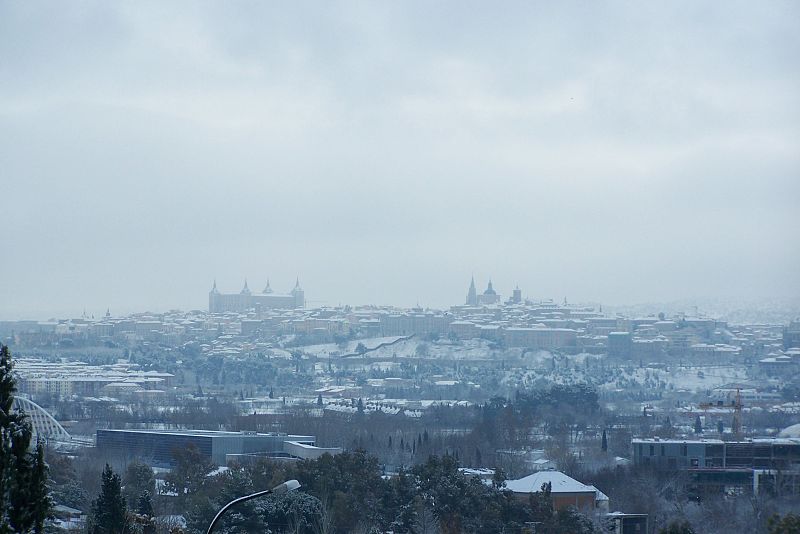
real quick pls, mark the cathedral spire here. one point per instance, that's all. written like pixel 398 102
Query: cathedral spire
pixel 298 294
pixel 267 289
pixel 245 289
pixel 472 293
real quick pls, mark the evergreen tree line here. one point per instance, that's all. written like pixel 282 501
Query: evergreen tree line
pixel 341 494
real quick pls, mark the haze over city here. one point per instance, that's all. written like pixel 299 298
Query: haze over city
pixel 517 267
pixel 384 153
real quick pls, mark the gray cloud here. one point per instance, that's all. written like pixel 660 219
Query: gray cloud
pixel 384 152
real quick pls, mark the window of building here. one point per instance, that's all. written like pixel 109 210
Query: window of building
pixel 695 462
pixel 662 450
pixel 652 450
pixel 684 450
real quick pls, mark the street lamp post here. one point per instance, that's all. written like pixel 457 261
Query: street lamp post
pixel 289 485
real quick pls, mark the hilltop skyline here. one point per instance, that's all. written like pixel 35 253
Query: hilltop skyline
pixel 737 309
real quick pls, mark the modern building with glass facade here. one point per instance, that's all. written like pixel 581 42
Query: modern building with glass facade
pixel 158 447
pixel 723 465
pixel 766 453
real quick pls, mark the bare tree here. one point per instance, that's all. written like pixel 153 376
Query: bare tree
pixel 324 523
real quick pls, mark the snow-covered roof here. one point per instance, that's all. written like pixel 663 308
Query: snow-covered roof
pixel 560 483
pixel 790 432
pixel 599 495
pixel 64 509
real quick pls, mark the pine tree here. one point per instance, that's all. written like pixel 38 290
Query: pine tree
pixel 604 444
pixel 109 511
pixel 145 514
pixel 8 424
pixel 698 425
pixel 138 477
pixel 319 399
pixel 144 505
pixel 39 494
pixel 499 478
pixel 541 504
pixel 24 501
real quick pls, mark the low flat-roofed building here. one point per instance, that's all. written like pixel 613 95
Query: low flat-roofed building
pixel 307 451
pixel 621 523
pixel 159 446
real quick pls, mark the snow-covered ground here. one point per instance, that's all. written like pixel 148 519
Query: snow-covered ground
pixel 540 366
pixel 415 348
pixel 327 350
pixel 397 347
pixel 574 369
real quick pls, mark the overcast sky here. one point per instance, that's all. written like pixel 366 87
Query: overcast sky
pixel 386 151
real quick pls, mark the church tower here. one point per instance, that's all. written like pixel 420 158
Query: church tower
pixel 213 295
pixel 299 295
pixel 472 294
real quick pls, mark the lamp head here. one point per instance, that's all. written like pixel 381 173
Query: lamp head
pixel 289 485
